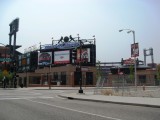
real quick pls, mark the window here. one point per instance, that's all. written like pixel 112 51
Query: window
pixel 142 79
pixel 34 80
pixel 89 78
pixel 55 74
pixel 63 78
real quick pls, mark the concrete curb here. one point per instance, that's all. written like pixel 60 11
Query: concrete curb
pixel 106 101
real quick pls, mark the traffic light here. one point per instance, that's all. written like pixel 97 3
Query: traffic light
pixel 74 54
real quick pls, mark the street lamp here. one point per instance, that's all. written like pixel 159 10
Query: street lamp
pixel 134 53
pixel 80 66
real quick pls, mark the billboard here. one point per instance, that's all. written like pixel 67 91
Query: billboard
pixel 65 45
pixel 45 58
pixel 14 25
pixel 62 57
pixel 85 55
pixel 129 61
pixel 134 50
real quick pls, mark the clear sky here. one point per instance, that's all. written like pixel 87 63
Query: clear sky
pixel 40 20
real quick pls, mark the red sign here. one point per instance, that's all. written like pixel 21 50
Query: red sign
pixel 129 61
pixel 85 55
pixel 134 50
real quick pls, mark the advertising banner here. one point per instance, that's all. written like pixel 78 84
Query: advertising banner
pixel 66 45
pixel 134 50
pixel 62 57
pixel 129 61
pixel 45 58
pixel 85 55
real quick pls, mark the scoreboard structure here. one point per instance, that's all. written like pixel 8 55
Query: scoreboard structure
pixel 70 51
pixel 64 51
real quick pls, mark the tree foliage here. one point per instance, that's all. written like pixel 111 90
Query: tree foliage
pixel 131 72
pixel 98 70
pixel 7 74
pixel 158 72
pixel 1 76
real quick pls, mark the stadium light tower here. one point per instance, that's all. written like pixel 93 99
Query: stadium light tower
pixel 134 53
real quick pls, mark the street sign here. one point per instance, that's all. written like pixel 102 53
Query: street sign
pixel 5 59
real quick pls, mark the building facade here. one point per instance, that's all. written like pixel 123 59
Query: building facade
pixel 59 76
pixel 68 62
pixel 123 75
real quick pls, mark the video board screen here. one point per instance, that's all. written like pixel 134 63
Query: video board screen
pixel 45 58
pixel 85 55
pixel 62 57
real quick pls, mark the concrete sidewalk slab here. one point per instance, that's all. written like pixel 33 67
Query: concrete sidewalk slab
pixel 47 88
pixel 138 101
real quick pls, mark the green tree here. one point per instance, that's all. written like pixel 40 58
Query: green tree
pixel 7 74
pixel 131 73
pixel 158 73
pixel 98 70
pixel 1 76
pixel 10 76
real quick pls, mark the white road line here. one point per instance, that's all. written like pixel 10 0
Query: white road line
pixel 44 97
pixel 65 108
pixel 18 98
pixel 10 98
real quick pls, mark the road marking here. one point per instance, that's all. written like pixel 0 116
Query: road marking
pixel 45 97
pixel 18 98
pixel 65 108
pixel 10 98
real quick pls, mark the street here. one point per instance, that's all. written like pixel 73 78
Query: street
pixel 27 104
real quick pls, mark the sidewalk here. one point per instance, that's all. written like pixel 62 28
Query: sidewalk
pixel 55 88
pixel 137 101
pixel 46 88
pixel 90 96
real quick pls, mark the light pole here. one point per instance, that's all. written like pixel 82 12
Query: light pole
pixel 49 77
pixel 80 66
pixel 134 53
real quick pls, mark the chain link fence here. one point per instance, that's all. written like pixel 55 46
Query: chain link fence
pixel 123 86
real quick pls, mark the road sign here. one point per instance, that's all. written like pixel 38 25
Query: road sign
pixel 5 59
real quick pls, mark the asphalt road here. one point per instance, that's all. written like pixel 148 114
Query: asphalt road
pixel 46 105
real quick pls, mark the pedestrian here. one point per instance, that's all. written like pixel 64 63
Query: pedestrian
pixel 15 82
pixel 4 82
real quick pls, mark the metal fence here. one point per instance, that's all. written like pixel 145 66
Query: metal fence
pixel 123 86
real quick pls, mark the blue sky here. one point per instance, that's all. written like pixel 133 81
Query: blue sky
pixel 40 20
